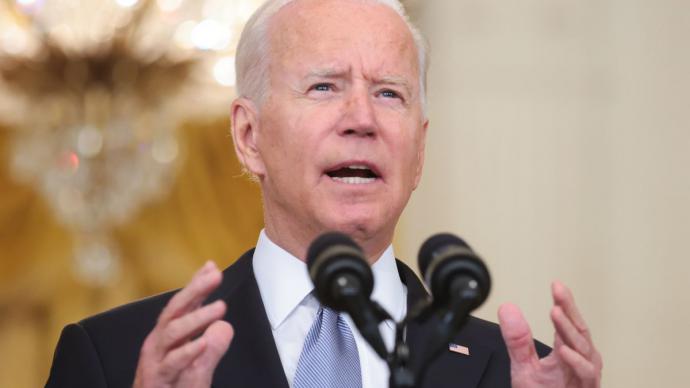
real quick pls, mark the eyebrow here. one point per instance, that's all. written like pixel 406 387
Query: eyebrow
pixel 329 72
pixel 394 80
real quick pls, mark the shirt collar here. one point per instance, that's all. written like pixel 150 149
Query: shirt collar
pixel 284 282
pixel 389 290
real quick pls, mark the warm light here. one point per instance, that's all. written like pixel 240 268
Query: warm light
pixel 230 12
pixel 126 3
pixel 245 10
pixel 224 71
pixel 210 35
pixel 89 142
pixel 183 34
pixel 68 162
pixel 220 10
pixel 70 200
pixel 164 150
pixel 26 2
pixel 169 5
pixel 14 40
pixel 96 263
pixel 73 161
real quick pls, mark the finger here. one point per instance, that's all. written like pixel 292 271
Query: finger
pixel 569 333
pixel 557 340
pixel 200 374
pixel 583 368
pixel 181 329
pixel 219 336
pixel 179 359
pixel 563 297
pixel 517 335
pixel 191 296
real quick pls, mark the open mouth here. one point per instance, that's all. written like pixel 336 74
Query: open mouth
pixel 356 174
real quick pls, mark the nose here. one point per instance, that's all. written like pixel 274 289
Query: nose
pixel 359 117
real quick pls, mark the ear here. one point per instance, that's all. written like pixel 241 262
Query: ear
pixel 244 131
pixel 420 154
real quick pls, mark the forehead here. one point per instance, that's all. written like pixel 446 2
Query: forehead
pixel 342 33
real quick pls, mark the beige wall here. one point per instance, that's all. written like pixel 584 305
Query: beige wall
pixel 559 147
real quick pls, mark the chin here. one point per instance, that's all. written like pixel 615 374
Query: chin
pixel 361 224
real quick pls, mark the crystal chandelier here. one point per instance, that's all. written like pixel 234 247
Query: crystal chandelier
pixel 96 90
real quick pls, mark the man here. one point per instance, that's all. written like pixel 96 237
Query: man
pixel 331 122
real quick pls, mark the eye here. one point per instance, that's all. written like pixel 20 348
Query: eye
pixel 387 93
pixel 322 87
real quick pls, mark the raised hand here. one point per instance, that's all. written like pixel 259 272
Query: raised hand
pixel 574 361
pixel 188 340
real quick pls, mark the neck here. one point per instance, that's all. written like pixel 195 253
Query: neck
pixel 296 240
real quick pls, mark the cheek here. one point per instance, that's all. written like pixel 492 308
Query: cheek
pixel 278 139
pixel 290 154
pixel 405 147
pixel 410 166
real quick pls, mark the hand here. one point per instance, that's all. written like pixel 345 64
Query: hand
pixel 174 354
pixel 574 361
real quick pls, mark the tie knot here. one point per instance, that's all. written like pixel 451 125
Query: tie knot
pixel 330 322
pixel 329 313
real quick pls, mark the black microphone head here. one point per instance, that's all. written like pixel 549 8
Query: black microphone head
pixel 325 240
pixel 443 258
pixel 433 245
pixel 332 258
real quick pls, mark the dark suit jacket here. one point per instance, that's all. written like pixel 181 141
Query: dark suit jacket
pixel 102 351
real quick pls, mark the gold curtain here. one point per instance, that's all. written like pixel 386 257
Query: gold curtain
pixel 211 212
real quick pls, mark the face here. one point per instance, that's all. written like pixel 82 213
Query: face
pixel 338 143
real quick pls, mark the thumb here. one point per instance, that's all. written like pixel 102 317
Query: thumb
pixel 517 335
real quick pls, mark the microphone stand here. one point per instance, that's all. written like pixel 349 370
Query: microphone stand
pixel 451 319
pixel 401 375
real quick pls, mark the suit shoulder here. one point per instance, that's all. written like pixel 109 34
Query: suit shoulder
pixel 75 362
pixel 103 350
pixel 112 339
pixel 143 313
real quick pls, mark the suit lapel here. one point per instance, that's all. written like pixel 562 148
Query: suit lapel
pixel 252 359
pixel 450 369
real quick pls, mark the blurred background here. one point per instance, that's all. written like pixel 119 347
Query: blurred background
pixel 558 148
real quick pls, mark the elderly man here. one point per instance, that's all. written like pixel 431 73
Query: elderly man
pixel 331 122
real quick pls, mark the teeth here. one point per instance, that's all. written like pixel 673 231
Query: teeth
pixel 354 180
pixel 358 167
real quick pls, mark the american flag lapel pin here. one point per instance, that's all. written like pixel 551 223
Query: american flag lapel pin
pixel 459 349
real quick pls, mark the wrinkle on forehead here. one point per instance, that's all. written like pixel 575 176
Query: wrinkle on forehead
pixel 320 31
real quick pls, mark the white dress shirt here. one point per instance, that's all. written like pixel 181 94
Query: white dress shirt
pixel 285 289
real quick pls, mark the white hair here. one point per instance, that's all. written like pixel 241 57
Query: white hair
pixel 252 56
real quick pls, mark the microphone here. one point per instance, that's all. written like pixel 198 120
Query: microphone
pixel 459 283
pixel 453 271
pixel 343 281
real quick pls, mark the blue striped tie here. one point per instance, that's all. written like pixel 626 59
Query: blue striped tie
pixel 329 357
